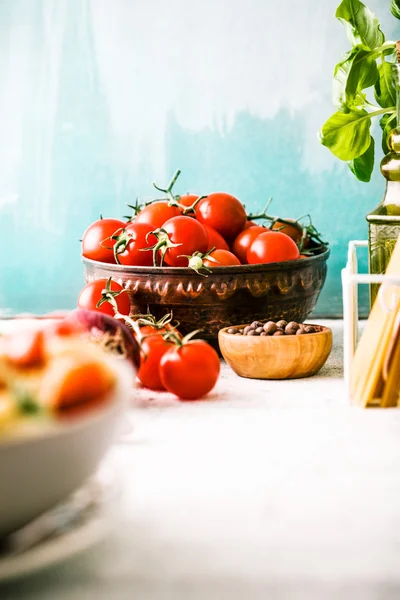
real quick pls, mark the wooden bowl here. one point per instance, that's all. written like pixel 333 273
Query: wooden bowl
pixel 227 296
pixel 280 357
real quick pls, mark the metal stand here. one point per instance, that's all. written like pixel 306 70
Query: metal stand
pixel 350 280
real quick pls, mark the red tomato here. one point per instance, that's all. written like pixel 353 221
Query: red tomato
pixel 81 385
pixel 150 329
pixel 215 239
pixel 250 224
pixel 91 294
pixel 25 348
pixel 157 213
pixel 191 237
pixel 133 253
pixel 224 257
pixel 153 349
pixel 190 371
pixel 293 231
pixel 63 327
pixel 223 212
pixel 188 200
pixel 97 234
pixel 271 247
pixel 244 240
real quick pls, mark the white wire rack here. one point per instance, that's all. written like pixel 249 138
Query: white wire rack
pixel 351 278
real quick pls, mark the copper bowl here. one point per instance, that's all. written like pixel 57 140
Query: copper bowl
pixel 227 296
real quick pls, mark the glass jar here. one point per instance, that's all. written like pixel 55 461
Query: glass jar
pixel 384 221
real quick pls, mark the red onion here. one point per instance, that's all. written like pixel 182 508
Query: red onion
pixel 110 333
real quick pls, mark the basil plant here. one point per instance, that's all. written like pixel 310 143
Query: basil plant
pixel 371 62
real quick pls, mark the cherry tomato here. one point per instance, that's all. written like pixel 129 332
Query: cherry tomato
pixel 223 212
pixel 191 237
pixel 157 213
pixel 64 328
pixel 91 294
pixel 188 200
pixel 244 240
pixel 25 348
pixel 150 329
pixel 293 231
pixel 224 257
pixel 148 325
pixel 190 371
pixel 271 247
pixel 95 242
pixel 134 254
pixel 82 383
pixel 215 239
pixel 153 349
pixel 250 224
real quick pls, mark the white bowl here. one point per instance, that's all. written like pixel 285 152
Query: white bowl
pixel 39 470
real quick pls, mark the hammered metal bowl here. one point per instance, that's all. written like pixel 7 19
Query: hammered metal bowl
pixel 227 296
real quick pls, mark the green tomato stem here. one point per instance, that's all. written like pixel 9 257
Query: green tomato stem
pixel 188 209
pixel 171 184
pixel 252 217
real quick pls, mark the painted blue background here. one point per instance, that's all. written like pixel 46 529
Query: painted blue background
pixel 100 97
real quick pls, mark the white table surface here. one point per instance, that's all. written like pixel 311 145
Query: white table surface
pixel 268 490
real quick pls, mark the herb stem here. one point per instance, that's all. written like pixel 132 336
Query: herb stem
pixel 381 111
pixel 386 46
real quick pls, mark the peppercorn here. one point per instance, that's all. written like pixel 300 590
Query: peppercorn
pixel 291 328
pixel 232 330
pixel 281 324
pixel 275 329
pixel 256 324
pixel 309 329
pixel 270 327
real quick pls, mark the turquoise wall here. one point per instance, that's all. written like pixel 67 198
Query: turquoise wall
pixel 100 97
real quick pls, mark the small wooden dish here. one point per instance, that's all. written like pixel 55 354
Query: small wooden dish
pixel 280 357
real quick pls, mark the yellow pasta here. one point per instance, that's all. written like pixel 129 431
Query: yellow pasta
pixel 366 382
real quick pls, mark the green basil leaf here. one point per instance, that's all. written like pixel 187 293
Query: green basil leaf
pixel 385 86
pixel 395 8
pixel 356 72
pixel 347 135
pixel 387 123
pixel 363 166
pixel 26 402
pixel 362 75
pixel 361 24
pixel 340 75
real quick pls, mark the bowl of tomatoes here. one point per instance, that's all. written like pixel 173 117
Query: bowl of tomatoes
pixel 207 261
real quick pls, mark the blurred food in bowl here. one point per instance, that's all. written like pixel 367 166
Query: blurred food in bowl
pixel 61 398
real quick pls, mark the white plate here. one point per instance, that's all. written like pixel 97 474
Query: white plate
pixel 52 551
pixel 71 528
